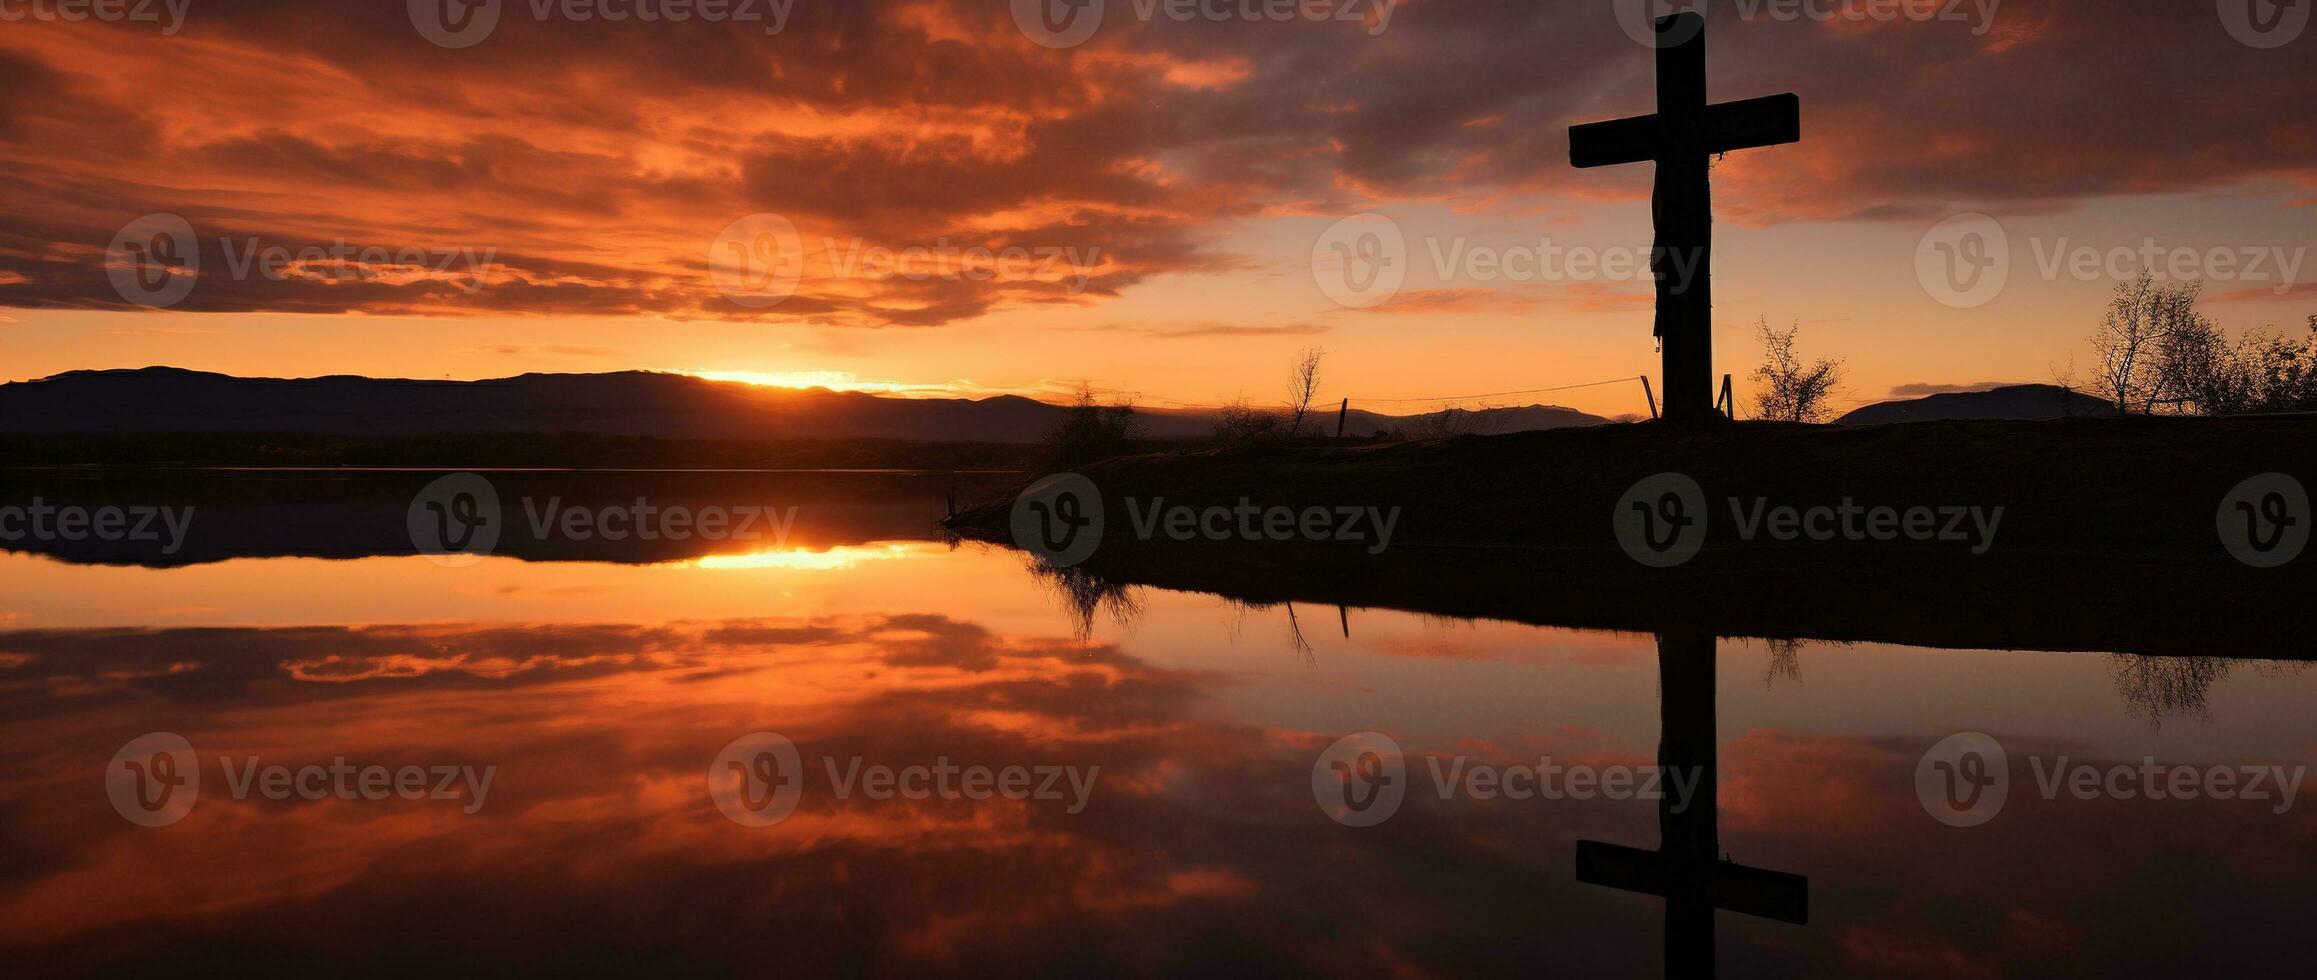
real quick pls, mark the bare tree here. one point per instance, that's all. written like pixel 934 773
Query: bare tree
pixel 2263 371
pixel 2143 318
pixel 1090 430
pixel 1239 424
pixel 1792 392
pixel 1302 387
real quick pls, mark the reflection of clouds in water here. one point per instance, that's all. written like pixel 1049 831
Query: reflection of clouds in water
pixel 1202 848
pixel 599 827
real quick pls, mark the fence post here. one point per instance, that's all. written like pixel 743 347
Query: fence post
pixel 1341 411
pixel 1651 395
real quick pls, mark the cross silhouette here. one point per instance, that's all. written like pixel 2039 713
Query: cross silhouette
pixel 1682 137
pixel 1688 869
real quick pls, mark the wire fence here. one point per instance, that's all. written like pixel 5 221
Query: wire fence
pixel 1468 405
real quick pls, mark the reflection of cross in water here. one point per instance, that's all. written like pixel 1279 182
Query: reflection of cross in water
pixel 1683 135
pixel 1687 869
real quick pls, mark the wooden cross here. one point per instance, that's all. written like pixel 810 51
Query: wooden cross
pixel 1687 869
pixel 1682 137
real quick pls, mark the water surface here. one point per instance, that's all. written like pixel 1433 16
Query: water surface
pixel 601 686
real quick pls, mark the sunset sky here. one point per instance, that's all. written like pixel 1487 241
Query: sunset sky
pixel 1182 171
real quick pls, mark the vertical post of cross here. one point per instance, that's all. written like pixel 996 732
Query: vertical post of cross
pixel 1683 202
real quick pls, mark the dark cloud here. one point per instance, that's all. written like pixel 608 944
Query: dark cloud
pixel 599 160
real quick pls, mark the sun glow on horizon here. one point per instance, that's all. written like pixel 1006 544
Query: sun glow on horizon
pixel 832 380
pixel 847 381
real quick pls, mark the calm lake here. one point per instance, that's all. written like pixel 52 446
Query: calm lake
pixel 846 745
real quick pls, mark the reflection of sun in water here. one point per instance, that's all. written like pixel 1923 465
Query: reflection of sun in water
pixel 837 558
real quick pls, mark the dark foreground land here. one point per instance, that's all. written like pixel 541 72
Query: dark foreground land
pixel 2110 536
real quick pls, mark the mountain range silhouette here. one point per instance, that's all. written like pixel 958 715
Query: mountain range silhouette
pixel 163 400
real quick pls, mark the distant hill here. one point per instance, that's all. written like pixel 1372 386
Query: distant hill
pixel 2026 402
pixel 160 400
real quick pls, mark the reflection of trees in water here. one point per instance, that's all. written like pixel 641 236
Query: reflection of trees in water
pixel 1785 662
pixel 2156 688
pixel 1303 647
pixel 1084 594
pixel 1304 651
